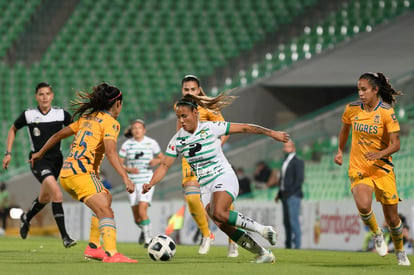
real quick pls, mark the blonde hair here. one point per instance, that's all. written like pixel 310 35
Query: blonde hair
pixel 211 103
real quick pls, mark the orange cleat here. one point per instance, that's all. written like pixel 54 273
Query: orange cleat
pixel 94 253
pixel 118 258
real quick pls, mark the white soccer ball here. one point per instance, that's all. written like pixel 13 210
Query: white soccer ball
pixel 161 248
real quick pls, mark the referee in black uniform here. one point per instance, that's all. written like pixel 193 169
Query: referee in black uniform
pixel 42 123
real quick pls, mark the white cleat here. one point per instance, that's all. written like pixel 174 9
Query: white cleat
pixel 266 257
pixel 402 258
pixel 380 245
pixel 269 234
pixel 233 250
pixel 205 245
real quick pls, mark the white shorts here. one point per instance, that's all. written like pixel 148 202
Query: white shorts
pixel 227 182
pixel 137 196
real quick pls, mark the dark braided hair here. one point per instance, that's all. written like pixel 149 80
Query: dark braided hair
pixel 386 92
pixel 101 98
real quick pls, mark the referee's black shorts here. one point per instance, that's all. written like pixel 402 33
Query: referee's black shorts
pixel 47 166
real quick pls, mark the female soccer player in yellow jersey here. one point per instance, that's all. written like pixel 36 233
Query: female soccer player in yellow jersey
pixel 375 137
pixel 199 142
pixel 190 84
pixel 96 132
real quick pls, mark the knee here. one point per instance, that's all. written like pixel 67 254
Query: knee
pixel 394 221
pixel 104 212
pixel 57 196
pixel 364 209
pixel 220 216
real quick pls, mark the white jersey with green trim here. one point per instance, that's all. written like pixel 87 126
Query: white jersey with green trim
pixel 138 154
pixel 202 149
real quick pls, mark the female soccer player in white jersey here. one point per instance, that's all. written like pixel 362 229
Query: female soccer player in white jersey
pixel 199 142
pixel 139 154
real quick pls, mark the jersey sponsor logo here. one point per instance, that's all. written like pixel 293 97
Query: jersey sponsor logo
pixel 138 155
pixel 45 172
pixel 364 141
pixel 36 131
pixel 194 148
pixel 364 128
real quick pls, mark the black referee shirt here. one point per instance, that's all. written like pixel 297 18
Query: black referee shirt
pixel 41 126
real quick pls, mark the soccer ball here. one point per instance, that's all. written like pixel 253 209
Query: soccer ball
pixel 161 248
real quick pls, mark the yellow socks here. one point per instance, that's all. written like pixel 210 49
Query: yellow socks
pixel 94 234
pixel 107 229
pixel 196 208
pixel 397 237
pixel 370 221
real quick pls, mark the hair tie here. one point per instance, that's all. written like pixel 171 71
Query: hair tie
pixel 120 93
pixel 181 102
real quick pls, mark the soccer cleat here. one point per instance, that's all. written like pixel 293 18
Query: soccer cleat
pixel 94 253
pixel 141 239
pixel 205 244
pixel 212 237
pixel 68 242
pixel 24 226
pixel 233 251
pixel 269 234
pixel 266 257
pixel 402 258
pixel 118 258
pixel 146 245
pixel 380 245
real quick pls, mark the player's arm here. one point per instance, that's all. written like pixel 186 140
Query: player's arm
pixel 9 145
pixel 159 173
pixel 115 161
pixel 52 141
pixel 157 159
pixel 342 139
pixel 391 149
pixel 259 130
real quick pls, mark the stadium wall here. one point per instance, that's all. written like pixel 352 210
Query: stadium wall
pixel 327 225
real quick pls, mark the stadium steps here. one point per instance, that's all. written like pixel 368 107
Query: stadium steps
pixel 34 40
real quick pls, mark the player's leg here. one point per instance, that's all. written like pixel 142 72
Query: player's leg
pixel 145 222
pixel 88 189
pixel 232 250
pixel 239 236
pixel 388 185
pixel 101 205
pixel 133 200
pixel 196 208
pixel 363 199
pixel 37 205
pixel 220 212
pixel 51 190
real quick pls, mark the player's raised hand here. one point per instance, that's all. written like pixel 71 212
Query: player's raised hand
pixel 280 136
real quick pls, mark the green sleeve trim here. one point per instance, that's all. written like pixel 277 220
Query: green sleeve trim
pixel 233 217
pixel 228 129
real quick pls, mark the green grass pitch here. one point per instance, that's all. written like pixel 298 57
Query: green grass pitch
pixel 46 255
